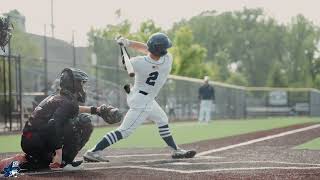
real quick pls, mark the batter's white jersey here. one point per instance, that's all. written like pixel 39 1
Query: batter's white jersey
pixel 150 76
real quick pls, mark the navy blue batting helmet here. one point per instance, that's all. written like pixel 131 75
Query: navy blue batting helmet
pixel 158 44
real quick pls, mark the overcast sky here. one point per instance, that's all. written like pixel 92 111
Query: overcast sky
pixel 80 15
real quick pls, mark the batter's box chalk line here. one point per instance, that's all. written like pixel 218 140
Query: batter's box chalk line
pixel 258 140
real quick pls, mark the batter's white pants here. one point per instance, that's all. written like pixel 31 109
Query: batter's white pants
pixel 206 107
pixel 136 116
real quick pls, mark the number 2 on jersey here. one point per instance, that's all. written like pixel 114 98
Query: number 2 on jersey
pixel 151 80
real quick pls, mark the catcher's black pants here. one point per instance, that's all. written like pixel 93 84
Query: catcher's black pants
pixel 36 144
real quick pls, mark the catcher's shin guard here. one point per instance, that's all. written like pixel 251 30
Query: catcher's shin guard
pixel 76 134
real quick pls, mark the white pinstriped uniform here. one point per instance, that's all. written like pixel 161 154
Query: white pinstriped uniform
pixel 150 76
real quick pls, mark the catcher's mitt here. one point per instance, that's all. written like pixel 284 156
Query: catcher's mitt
pixel 110 114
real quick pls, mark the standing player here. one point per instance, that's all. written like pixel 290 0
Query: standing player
pixel 151 73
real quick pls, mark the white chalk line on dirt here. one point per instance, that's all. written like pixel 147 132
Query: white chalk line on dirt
pixel 252 169
pixel 174 160
pixel 258 140
pixel 136 155
pixel 181 171
pixel 242 162
pixel 208 170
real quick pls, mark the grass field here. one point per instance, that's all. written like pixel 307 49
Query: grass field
pixel 311 145
pixel 185 132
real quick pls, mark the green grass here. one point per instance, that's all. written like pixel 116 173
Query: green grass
pixel 186 132
pixel 311 145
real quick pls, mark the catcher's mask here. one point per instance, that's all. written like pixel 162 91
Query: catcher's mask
pixel 158 44
pixel 5 31
pixel 73 80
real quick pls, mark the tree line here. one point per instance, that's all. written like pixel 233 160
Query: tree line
pixel 243 47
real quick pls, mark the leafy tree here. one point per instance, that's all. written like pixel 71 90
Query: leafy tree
pixel 237 79
pixel 188 56
pixel 146 29
pixel 20 41
pixel 301 46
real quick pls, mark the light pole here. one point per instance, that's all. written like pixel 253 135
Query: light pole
pixel 94 63
pixel 52 25
pixel 73 50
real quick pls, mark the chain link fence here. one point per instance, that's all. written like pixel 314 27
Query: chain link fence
pixel 178 97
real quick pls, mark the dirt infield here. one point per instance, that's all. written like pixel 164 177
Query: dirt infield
pixel 259 155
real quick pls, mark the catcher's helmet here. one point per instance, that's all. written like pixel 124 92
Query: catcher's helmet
pixel 158 44
pixel 72 80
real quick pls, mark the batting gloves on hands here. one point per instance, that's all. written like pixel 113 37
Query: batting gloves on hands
pixel 123 41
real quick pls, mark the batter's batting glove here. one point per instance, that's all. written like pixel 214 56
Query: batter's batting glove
pixel 123 41
pixel 110 114
pixel 127 88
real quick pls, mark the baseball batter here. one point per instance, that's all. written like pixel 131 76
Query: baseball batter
pixel 151 73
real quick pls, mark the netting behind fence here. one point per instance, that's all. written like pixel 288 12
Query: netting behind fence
pixel 178 97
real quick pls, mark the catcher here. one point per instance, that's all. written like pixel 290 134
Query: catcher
pixel 58 127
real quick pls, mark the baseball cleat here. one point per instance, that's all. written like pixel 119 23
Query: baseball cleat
pixel 94 157
pixel 74 166
pixel 181 153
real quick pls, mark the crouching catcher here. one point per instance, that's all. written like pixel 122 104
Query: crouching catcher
pixel 58 127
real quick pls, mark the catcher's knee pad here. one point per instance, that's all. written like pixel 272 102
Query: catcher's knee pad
pixel 84 125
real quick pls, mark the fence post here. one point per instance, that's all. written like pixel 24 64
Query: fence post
pixel 4 91
pixel 45 61
pixel 9 84
pixel 20 90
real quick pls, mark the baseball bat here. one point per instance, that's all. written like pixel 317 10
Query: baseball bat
pixel 126 61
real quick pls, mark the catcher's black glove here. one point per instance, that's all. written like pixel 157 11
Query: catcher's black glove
pixel 110 114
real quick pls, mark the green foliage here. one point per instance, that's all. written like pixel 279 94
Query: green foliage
pixel 188 56
pixel 301 42
pixel 21 44
pixel 146 29
pixel 266 52
pixel 237 79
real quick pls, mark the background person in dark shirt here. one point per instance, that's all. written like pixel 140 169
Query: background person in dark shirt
pixel 206 97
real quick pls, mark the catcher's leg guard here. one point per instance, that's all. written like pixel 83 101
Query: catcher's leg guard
pixel 76 134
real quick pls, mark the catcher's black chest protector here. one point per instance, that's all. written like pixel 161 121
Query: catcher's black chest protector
pixel 46 109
